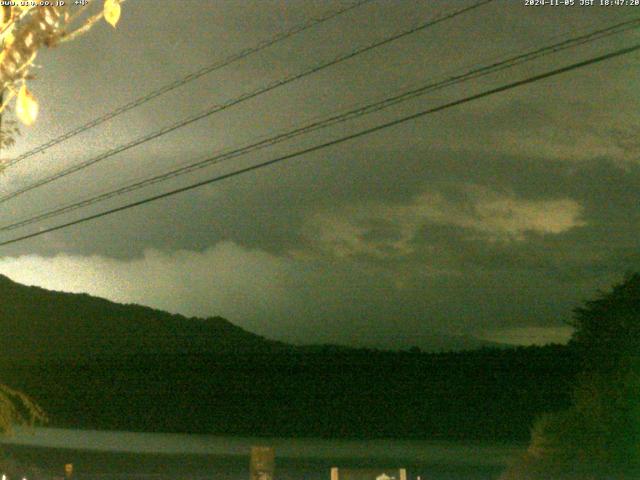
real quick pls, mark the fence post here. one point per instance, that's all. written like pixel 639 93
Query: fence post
pixel 68 471
pixel 262 463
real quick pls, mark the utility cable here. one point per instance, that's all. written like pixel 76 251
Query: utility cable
pixel 186 79
pixel 340 118
pixel 368 131
pixel 247 96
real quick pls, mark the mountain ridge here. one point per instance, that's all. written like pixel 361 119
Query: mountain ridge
pixel 91 363
pixel 43 324
pixel 40 323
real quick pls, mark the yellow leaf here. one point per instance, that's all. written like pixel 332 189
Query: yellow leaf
pixel 7 37
pixel 112 12
pixel 26 106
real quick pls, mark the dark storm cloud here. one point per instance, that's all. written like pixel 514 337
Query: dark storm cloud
pixel 498 215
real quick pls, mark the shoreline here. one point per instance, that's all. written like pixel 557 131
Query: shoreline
pixel 298 449
pixel 101 465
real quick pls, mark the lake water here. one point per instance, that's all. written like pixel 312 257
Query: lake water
pixel 101 455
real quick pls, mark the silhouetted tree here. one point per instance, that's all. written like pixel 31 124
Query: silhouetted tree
pixel 607 329
pixel 599 436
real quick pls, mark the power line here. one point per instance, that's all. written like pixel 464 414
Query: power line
pixel 186 79
pixel 340 118
pixel 343 139
pixel 235 101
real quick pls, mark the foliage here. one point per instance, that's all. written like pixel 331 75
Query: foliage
pixel 599 435
pixel 17 408
pixel 600 431
pixel 488 394
pixel 607 329
pixel 9 130
pixel 25 27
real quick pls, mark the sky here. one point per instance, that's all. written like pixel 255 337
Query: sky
pixel 492 219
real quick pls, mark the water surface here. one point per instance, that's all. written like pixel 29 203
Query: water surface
pixel 102 455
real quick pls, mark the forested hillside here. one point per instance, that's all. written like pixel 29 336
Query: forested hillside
pixel 92 363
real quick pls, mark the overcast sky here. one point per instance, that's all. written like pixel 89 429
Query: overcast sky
pixel 494 218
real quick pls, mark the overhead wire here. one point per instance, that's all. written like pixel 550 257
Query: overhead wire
pixel 475 73
pixel 321 146
pixel 279 37
pixel 240 99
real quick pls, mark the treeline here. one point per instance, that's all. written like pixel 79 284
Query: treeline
pixel 321 392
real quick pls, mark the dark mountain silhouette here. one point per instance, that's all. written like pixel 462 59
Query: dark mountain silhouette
pixel 42 324
pixel 91 363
